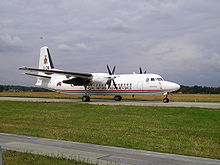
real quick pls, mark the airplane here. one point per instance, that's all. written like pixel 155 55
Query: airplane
pixel 87 84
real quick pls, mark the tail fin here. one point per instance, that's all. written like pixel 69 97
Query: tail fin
pixel 45 60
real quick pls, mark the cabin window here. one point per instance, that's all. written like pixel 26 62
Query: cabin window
pixel 147 79
pixel 152 79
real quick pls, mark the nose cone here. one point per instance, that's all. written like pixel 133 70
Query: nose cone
pixel 170 86
pixel 176 86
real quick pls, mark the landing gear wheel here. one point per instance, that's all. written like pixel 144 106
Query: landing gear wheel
pixel 85 98
pixel 166 100
pixel 117 98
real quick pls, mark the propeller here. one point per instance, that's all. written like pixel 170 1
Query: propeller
pixel 141 72
pixel 111 78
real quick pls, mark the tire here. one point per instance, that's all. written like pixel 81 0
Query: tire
pixel 85 99
pixel 117 98
pixel 88 99
pixel 166 100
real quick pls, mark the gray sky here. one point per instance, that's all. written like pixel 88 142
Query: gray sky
pixel 178 39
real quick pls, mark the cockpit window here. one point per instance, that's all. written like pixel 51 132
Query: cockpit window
pixel 152 79
pixel 159 79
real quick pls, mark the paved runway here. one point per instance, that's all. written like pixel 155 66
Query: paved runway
pixel 123 102
pixel 96 153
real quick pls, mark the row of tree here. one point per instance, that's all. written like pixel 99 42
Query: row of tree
pixel 183 89
pixel 198 89
pixel 13 88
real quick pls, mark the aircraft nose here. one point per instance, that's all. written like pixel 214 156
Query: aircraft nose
pixel 176 86
pixel 170 86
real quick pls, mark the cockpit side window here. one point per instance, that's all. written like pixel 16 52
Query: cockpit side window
pixel 159 79
pixel 152 79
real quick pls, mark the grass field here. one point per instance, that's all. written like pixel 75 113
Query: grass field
pixel 172 97
pixel 16 158
pixel 186 131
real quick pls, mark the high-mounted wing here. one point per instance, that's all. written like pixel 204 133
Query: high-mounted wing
pixel 67 74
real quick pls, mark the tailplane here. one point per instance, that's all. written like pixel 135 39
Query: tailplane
pixel 45 63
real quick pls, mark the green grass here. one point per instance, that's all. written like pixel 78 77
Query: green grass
pixel 186 131
pixel 17 158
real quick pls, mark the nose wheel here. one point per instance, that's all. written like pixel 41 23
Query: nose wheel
pixel 85 99
pixel 166 100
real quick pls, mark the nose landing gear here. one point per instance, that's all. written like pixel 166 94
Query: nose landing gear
pixel 166 100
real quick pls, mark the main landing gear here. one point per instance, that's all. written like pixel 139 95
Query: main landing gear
pixel 85 98
pixel 166 100
pixel 117 98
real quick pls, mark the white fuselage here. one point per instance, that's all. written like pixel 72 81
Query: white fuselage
pixel 127 84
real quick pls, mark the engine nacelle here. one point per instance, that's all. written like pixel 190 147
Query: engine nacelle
pixel 100 79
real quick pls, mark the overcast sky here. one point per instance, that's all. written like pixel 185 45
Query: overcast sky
pixel 177 39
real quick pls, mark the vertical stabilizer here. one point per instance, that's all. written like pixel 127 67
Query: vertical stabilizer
pixel 45 61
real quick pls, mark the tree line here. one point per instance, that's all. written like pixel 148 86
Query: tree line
pixel 184 89
pixel 17 88
pixel 198 89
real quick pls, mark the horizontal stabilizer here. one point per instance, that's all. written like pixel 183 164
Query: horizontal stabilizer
pixel 67 74
pixel 36 75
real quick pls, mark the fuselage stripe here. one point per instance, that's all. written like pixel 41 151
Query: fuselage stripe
pixel 108 91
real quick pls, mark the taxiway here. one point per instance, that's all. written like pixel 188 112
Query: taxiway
pixel 97 154
pixel 123 102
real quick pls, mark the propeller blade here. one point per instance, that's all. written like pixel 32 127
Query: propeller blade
pixel 140 70
pixel 113 71
pixel 115 84
pixel 109 84
pixel 111 79
pixel 145 71
pixel 109 71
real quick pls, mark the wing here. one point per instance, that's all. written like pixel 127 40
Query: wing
pixel 67 74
